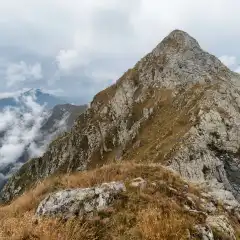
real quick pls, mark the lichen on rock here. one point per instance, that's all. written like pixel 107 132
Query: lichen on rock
pixel 79 202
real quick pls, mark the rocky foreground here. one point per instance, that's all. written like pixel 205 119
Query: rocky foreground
pixel 118 201
pixel 177 108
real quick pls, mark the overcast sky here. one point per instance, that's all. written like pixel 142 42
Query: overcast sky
pixel 79 47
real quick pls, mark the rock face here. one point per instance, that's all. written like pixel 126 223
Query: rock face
pixel 67 112
pixel 205 232
pixel 180 102
pixel 79 202
pixel 221 226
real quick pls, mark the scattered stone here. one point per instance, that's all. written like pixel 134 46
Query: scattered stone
pixel 80 202
pixel 173 190
pixel 236 213
pixel 185 188
pixel 186 208
pixel 153 184
pixel 190 202
pixel 137 144
pixel 162 183
pixel 205 232
pixel 194 212
pixel 138 183
pixel 226 198
pixel 220 225
pixel 208 207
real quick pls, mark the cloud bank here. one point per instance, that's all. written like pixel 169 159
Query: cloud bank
pixel 88 44
pixel 19 126
pixel 21 134
pixel 21 72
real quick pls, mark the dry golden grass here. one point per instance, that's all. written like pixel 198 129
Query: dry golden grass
pixel 154 224
pixel 165 131
pixel 154 213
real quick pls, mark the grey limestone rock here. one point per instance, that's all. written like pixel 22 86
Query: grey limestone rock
pixel 72 202
pixel 221 226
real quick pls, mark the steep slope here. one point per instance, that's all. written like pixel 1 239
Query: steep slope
pixel 178 106
pixel 65 111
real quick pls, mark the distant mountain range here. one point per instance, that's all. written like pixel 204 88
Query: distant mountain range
pixel 68 112
pixel 57 117
pixel 41 98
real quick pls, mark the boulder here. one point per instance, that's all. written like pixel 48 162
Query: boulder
pixel 72 202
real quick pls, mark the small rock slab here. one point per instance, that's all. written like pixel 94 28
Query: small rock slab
pixel 72 202
pixel 204 232
pixel 138 183
pixel 221 225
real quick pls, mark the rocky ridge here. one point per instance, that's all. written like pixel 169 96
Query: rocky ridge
pixel 179 106
pixel 118 201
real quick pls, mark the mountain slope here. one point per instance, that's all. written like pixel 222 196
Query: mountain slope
pixel 68 111
pixel 178 106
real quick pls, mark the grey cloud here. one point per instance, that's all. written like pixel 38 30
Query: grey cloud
pixel 19 127
pixel 231 62
pixel 22 72
pixel 21 134
pixel 79 46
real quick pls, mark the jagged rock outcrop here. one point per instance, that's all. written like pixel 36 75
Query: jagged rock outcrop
pixel 80 202
pixel 204 232
pixel 178 106
pixel 221 227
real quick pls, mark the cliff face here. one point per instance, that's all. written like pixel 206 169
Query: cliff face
pixel 178 106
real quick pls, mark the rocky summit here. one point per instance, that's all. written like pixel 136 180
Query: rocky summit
pixel 179 104
pixel 178 107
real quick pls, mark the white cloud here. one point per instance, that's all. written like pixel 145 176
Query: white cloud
pixel 229 61
pixel 21 126
pixel 113 24
pixel 57 92
pixel 36 150
pixel 101 76
pixel 13 94
pixel 21 131
pixel 22 72
pixel 87 31
pixel 71 59
pixel 237 69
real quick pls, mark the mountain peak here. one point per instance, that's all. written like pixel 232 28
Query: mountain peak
pixel 178 107
pixel 162 94
pixel 177 41
pixel 33 91
pixel 183 39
